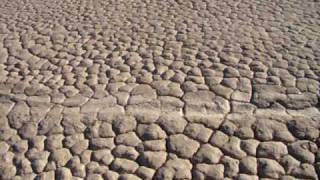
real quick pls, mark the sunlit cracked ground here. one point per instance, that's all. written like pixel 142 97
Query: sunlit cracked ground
pixel 159 89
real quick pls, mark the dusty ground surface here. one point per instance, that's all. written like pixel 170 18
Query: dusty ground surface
pixel 159 89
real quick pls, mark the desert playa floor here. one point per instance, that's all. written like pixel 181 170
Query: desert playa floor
pixel 159 89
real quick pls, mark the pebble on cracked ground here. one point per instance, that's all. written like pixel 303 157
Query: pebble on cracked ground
pixel 159 89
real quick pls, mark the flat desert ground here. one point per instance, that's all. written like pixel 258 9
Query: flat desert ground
pixel 159 89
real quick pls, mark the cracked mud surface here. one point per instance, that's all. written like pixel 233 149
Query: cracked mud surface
pixel 147 89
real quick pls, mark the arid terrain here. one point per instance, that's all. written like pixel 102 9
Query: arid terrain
pixel 159 89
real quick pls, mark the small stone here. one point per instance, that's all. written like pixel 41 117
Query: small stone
pixel 182 145
pixel 20 146
pixel 50 175
pixel 61 156
pixel 230 82
pixel 212 121
pixel 175 168
pixel 272 149
pixel 172 124
pixel 24 165
pixel 171 104
pixel 110 175
pixel 124 124
pixel 304 128
pixel 145 91
pixel 214 171
pixel 85 156
pixel 230 146
pixel 305 171
pixel 219 139
pixel 231 166
pixel 222 91
pixel 127 152
pixel 36 142
pixel 265 94
pixel 228 59
pixel 105 130
pixel 153 159
pixel 155 145
pixel 101 143
pixel 72 124
pixel 228 128
pixel 244 133
pixel 301 101
pixel 128 139
pixel 258 66
pixel 122 98
pixel 230 72
pixel 51 124
pixel 145 112
pixel 205 102
pixel 51 165
pixel 63 174
pixel 241 96
pixel 145 173
pixel 95 168
pixel 4 147
pixel 7 158
pixel 189 86
pixel 19 115
pixel 124 166
pixel 198 132
pixel 242 107
pixel 248 165
pixel 39 165
pixel 266 130
pixel 103 155
pixel 80 146
pixel 268 168
pixel 179 77
pixel 79 170
pixel 7 171
pixel 167 88
pixel 208 154
pixel 75 101
pixel 303 151
pixel 150 132
pixel 71 140
pixel 289 163
pixel 28 130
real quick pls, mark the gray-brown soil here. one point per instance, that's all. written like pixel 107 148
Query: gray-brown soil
pixel 159 89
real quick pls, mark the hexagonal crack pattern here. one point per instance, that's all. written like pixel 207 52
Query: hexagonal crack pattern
pixel 148 89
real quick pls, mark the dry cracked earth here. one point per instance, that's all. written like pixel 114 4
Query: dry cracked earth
pixel 159 89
